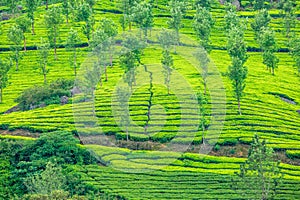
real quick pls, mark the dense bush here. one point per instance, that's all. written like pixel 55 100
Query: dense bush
pixel 45 95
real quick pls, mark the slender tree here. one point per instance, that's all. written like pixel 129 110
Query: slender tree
pixel 203 59
pixel 130 57
pixel 71 44
pixel 110 29
pixel 177 10
pixel 268 45
pixel 31 6
pixel 295 51
pixel 85 14
pixel 203 23
pixel 167 63
pixel 15 36
pixel 100 46
pixel 203 3
pixel 237 50
pixel 123 95
pixel 4 69
pixel 231 18
pixel 260 176
pixel 261 20
pixel 202 112
pixel 126 6
pixel 23 24
pixel 287 9
pixel 43 54
pixel 67 9
pixel 53 20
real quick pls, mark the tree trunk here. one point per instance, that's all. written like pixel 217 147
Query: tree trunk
pixel 75 62
pixel 127 135
pixel 67 16
pixel 55 52
pixel 45 78
pixel 1 97
pixel 205 88
pixel 239 107
pixel 130 26
pixel 25 43
pixel 17 66
pixel 47 3
pixel 32 28
pixel 203 128
pixel 105 71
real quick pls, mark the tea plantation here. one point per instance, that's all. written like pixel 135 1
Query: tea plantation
pixel 167 124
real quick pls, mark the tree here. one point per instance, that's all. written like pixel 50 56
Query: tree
pixel 4 69
pixel 73 40
pixel 237 50
pixel 231 18
pixel 166 38
pixel 43 53
pixel 142 15
pixel 202 111
pixel 178 10
pixel 287 10
pixel 31 8
pixel 100 45
pixel 261 4
pixel 261 19
pixel 84 13
pixel 203 23
pixel 130 57
pixel 110 29
pixel 167 63
pixel 268 45
pixel 203 3
pixel 12 4
pixel 260 175
pixel 66 9
pixel 123 97
pixel 295 51
pixel 15 35
pixel 23 24
pixel 53 20
pixel 40 184
pixel 202 57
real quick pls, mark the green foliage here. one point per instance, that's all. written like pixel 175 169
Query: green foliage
pixel 295 51
pixel 24 24
pixel 48 181
pixel 203 23
pixel 4 69
pixel 203 3
pixel 268 45
pixel 15 35
pixel 31 6
pixel 260 172
pixel 47 94
pixel 262 19
pixel 166 38
pixel 203 59
pixel 142 15
pixel 71 44
pixel 123 97
pixel 130 57
pixel 43 53
pixel 177 10
pixel 53 20
pixel 167 64
pixel 237 50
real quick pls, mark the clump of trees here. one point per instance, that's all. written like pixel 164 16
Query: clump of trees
pixel 4 69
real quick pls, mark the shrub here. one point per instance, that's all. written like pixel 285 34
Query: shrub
pixel 39 96
pixel 217 147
